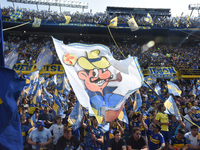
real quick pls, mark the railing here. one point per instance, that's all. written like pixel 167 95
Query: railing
pixel 189 73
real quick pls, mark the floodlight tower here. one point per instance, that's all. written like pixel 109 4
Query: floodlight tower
pixel 194 7
pixel 60 3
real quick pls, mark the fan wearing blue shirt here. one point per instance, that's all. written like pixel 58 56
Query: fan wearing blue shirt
pixel 178 141
pixel 156 140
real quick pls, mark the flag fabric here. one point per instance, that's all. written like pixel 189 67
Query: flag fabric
pixel 188 21
pixel 155 54
pixel 174 79
pixel 17 14
pixel 57 108
pixel 123 116
pixel 149 19
pixel 194 91
pixel 34 76
pixel 33 120
pixel 133 24
pixel 11 59
pixel 38 92
pixel 158 89
pixel 75 116
pixel 113 22
pixel 138 101
pixel 197 83
pixel 176 21
pixel 10 128
pixel 173 89
pixel 1 41
pixel 101 83
pixel 67 18
pixel 63 86
pixel 171 108
pixel 37 22
pixel 43 57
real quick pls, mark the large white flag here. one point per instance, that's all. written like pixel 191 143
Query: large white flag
pixel 101 83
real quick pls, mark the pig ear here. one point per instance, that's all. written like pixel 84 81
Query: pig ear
pixel 82 75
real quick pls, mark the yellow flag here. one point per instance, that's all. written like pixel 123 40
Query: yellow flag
pixel 113 22
pixel 36 22
pixel 132 24
pixel 1 101
pixel 149 19
pixel 67 18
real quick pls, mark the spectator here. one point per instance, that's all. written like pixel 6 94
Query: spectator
pixel 178 141
pixel 40 137
pixel 163 120
pixel 116 143
pixel 68 140
pixel 192 138
pixel 57 129
pixel 135 141
pixel 47 118
pixel 96 134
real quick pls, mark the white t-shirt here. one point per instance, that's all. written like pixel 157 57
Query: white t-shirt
pixel 187 124
pixel 192 140
pixel 57 132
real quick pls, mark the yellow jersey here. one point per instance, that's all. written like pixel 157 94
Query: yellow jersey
pixel 162 117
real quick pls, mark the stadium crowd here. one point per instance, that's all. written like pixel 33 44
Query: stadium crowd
pixel 104 18
pixel 180 57
pixel 147 128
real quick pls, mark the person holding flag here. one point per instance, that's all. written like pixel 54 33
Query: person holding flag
pixel 163 120
pixel 96 134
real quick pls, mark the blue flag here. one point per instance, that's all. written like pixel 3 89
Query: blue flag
pixel 76 116
pixel 10 90
pixel 1 41
pixel 171 108
pixel 173 89
pixel 194 91
pixel 138 101
pixel 11 59
pixel 16 15
pixel 158 89
pixel 57 108
pixel 43 57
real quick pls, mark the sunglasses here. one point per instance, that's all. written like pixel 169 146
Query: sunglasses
pixel 138 133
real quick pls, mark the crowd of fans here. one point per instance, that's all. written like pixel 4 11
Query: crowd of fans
pixel 104 18
pixel 150 126
pixel 180 57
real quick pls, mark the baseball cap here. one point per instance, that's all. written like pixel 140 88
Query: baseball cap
pixel 39 123
pixel 193 107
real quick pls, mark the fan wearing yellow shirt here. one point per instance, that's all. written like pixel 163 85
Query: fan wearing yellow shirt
pixel 163 120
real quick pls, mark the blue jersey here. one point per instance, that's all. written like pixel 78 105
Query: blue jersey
pixel 25 130
pixel 173 127
pixel 178 143
pixel 89 143
pixel 138 124
pixel 155 140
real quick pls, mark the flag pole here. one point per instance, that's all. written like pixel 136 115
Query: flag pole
pixel 115 42
pixel 1 41
pixel 190 121
pixel 89 126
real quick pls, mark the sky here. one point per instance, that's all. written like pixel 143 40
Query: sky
pixel 176 6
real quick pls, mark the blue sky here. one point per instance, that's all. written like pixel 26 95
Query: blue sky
pixel 177 6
